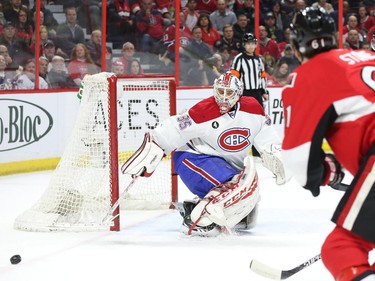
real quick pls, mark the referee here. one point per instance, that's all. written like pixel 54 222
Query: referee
pixel 250 69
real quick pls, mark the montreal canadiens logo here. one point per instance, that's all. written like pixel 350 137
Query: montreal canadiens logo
pixel 235 139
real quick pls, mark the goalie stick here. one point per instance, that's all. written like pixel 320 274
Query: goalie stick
pixel 109 217
pixel 277 274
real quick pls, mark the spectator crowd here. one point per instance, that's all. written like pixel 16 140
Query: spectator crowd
pixel 141 38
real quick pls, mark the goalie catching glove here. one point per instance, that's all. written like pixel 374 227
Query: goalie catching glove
pixel 145 160
pixel 271 159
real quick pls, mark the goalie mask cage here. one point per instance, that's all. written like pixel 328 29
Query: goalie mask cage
pixel 114 114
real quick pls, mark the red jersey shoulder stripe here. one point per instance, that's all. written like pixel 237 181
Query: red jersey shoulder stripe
pixel 205 110
pixel 251 105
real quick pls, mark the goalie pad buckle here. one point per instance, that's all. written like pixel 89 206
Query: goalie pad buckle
pixel 227 204
pixel 145 160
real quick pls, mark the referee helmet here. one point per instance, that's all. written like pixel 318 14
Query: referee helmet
pixel 313 32
pixel 249 37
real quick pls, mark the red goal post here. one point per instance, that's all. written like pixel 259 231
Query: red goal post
pixel 114 114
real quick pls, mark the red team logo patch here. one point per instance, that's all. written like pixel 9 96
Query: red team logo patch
pixel 234 139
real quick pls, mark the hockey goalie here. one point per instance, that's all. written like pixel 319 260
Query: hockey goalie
pixel 212 143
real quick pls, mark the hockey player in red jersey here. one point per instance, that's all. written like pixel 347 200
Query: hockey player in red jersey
pixel 332 96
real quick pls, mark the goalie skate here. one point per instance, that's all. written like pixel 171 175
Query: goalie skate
pixel 187 227
pixel 249 221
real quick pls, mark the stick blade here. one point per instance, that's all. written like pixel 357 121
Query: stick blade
pixel 265 270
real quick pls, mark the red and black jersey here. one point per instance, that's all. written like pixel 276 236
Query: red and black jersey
pixel 331 96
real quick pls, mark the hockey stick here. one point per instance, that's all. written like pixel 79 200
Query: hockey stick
pixel 277 274
pixel 341 186
pixel 109 217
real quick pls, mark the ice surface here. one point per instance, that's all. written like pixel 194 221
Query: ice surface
pixel 291 228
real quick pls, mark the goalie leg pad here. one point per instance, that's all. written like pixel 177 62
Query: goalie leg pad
pixel 228 204
pixel 145 160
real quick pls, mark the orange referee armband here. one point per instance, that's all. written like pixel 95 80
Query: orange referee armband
pixel 263 74
pixel 235 73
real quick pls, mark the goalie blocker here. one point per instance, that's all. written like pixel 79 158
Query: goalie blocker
pixel 145 160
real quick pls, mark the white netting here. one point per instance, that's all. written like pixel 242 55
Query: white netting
pixel 79 195
pixel 143 106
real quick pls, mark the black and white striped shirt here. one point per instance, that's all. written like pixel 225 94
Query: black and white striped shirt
pixel 252 71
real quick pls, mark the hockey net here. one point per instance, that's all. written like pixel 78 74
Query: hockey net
pixel 114 114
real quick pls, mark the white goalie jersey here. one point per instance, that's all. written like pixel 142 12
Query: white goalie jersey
pixel 204 130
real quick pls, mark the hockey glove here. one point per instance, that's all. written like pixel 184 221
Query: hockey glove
pixel 145 160
pixel 333 175
pixel 271 159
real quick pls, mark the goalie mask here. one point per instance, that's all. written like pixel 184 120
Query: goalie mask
pixel 227 91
